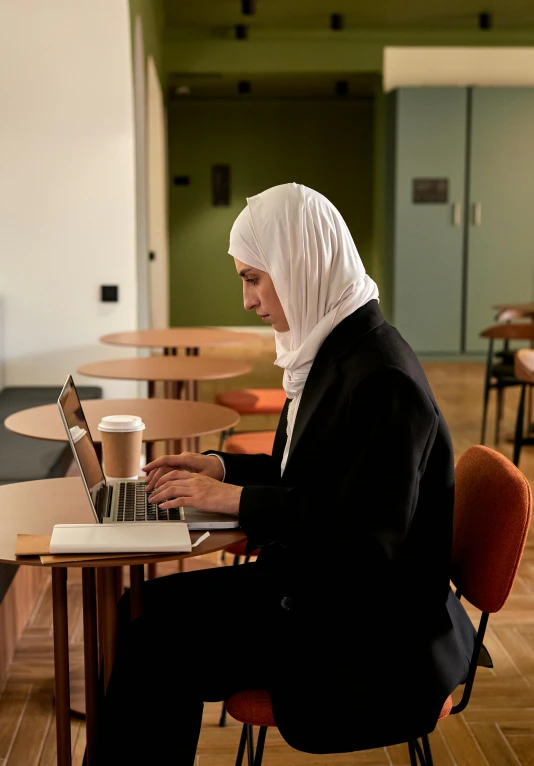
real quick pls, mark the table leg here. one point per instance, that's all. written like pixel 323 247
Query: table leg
pixel 152 573
pixel 107 617
pixel 61 665
pixel 90 644
pixel 151 389
pixel 137 577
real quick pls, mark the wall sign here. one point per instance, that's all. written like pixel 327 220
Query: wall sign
pixel 434 190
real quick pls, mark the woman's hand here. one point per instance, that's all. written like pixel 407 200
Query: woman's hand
pixel 207 465
pixel 196 489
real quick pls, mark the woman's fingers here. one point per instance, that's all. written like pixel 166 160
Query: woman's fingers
pixel 171 476
pixel 154 476
pixel 171 491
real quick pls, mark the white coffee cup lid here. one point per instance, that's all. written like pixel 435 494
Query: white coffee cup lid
pixel 121 423
pixel 77 433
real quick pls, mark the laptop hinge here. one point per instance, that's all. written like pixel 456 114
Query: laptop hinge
pixel 103 502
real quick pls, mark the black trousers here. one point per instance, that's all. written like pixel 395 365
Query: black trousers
pixel 203 636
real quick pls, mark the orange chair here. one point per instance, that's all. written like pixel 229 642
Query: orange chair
pixel 252 401
pixel 493 509
pixel 524 372
pixel 251 443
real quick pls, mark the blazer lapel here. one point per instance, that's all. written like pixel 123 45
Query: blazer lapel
pixel 325 366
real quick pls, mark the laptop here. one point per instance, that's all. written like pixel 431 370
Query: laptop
pixel 124 500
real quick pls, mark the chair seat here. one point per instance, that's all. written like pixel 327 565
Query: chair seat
pixel 250 443
pixel 239 549
pixel 254 707
pixel 254 401
pixel 524 365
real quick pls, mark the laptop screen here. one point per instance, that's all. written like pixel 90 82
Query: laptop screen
pixel 80 440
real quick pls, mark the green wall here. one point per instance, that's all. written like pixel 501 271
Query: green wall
pixel 327 145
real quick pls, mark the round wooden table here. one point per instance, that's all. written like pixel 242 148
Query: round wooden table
pixel 33 508
pixel 182 369
pixel 192 338
pixel 165 419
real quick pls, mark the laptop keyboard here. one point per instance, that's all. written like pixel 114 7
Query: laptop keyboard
pixel 133 505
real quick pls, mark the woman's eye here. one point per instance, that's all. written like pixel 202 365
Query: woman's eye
pixel 251 281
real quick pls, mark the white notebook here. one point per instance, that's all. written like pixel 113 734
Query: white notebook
pixel 123 537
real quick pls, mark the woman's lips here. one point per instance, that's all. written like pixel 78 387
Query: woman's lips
pixel 265 317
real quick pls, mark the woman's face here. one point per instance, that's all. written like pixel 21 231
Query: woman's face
pixel 260 296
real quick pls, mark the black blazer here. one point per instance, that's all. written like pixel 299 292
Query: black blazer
pixel 358 532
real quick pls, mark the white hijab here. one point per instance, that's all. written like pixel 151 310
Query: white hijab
pixel 299 238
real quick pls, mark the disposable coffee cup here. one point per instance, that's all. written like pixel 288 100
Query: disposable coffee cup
pixel 122 439
pixel 86 456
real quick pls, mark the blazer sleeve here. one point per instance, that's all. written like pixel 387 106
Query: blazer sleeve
pixel 372 482
pixel 243 470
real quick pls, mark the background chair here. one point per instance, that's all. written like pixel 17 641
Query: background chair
pixel 524 372
pixel 499 373
pixel 251 401
pixel 493 510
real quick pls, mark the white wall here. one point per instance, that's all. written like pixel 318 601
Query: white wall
pixel 67 186
pixel 447 65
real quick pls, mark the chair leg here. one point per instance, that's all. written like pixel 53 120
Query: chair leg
pixel 222 437
pixel 413 756
pixel 250 745
pixel 259 745
pixel 419 752
pixel 237 560
pixel 222 719
pixel 428 751
pixel 518 440
pixel 487 380
pixel 498 414
pixel 242 743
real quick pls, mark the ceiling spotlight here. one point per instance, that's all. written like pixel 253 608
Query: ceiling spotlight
pixel 336 21
pixel 183 90
pixel 248 7
pixel 342 88
pixel 485 21
pixel 241 31
pixel 243 86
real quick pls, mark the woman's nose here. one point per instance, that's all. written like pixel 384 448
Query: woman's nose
pixel 250 301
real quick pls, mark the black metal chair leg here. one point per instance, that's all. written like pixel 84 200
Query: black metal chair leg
pixel 413 756
pixel 222 719
pixel 420 753
pixel 242 743
pixel 222 437
pixel 498 414
pixel 259 745
pixel 518 440
pixel 428 750
pixel 237 559
pixel 250 745
pixel 487 380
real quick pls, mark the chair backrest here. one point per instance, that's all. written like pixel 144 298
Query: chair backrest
pixel 492 513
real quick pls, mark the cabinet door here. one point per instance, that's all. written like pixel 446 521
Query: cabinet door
pixel 501 237
pixel 430 143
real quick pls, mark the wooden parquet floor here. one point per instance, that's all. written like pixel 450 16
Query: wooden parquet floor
pixel 497 728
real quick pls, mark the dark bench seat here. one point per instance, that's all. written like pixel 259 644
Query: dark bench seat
pixel 25 459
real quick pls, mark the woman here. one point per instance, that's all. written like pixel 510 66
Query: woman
pixel 347 617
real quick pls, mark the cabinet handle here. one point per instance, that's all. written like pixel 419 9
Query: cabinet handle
pixel 456 214
pixel 477 213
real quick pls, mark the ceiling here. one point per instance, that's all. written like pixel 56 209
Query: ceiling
pixel 265 86
pixel 358 14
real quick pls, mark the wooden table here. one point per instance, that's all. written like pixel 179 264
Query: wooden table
pixel 33 508
pixel 190 338
pixel 182 370
pixel 165 419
